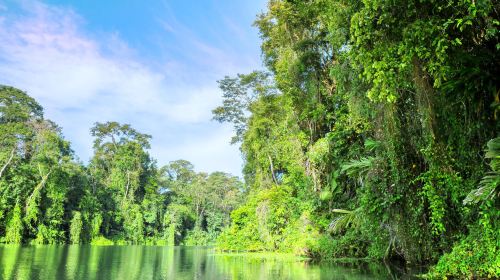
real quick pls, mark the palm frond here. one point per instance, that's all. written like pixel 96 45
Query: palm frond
pixel 358 168
pixel 371 144
pixel 493 150
pixel 345 220
pixel 489 185
pixel 487 189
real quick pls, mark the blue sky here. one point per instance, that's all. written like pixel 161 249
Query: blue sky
pixel 153 65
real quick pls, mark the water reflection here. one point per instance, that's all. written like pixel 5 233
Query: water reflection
pixel 153 262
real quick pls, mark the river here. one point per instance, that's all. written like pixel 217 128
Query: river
pixel 156 262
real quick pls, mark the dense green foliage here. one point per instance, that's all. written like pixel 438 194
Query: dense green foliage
pixel 366 136
pixel 374 132
pixel 47 197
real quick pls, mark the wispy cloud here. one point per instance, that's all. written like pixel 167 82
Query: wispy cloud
pixel 217 57
pixel 80 78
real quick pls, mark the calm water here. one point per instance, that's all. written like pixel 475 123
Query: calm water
pixel 155 262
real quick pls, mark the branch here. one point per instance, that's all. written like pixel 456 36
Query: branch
pixel 38 188
pixel 8 161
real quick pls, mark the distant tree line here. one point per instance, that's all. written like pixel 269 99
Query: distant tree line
pixel 120 196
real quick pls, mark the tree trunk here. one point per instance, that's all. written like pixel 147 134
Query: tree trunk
pixel 127 186
pixel 424 98
pixel 272 169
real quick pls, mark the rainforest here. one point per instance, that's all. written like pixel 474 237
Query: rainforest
pixel 372 132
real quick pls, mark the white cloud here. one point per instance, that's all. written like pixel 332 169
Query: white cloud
pixel 206 150
pixel 80 79
pixel 49 56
